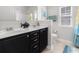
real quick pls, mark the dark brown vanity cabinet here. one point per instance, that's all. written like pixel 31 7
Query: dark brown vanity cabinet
pixel 15 44
pixel 31 42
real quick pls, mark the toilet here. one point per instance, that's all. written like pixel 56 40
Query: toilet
pixel 54 37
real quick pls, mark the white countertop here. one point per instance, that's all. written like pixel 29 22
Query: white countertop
pixel 4 34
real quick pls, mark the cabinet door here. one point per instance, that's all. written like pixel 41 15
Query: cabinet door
pixel 43 39
pixel 27 43
pixel 15 44
pixel 1 46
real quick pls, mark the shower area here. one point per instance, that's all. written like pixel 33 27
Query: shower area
pixel 65 30
pixel 74 47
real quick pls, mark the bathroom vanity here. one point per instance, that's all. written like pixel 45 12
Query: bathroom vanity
pixel 29 40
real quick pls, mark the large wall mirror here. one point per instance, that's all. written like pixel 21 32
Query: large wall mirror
pixel 26 12
pixel 11 16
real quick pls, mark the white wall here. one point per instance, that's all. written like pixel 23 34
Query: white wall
pixel 63 32
pixel 7 13
pixel 8 17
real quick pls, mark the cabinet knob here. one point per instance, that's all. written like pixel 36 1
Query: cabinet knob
pixel 27 35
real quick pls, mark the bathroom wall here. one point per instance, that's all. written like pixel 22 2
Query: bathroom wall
pixel 8 17
pixel 63 32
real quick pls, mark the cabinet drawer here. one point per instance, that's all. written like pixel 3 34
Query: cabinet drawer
pixel 35 39
pixel 35 48
pixel 34 34
pixel 35 43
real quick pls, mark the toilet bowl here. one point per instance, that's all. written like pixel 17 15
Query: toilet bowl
pixel 54 38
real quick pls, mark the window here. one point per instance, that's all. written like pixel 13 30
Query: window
pixel 66 16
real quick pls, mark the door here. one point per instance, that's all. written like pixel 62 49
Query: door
pixel 1 46
pixel 15 44
pixel 43 39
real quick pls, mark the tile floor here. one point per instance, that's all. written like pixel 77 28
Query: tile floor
pixel 59 47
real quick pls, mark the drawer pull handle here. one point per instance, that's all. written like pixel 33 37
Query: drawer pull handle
pixel 35 39
pixel 35 46
pixel 35 34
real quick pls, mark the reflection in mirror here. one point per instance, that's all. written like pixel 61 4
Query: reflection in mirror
pixel 12 16
pixel 26 14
